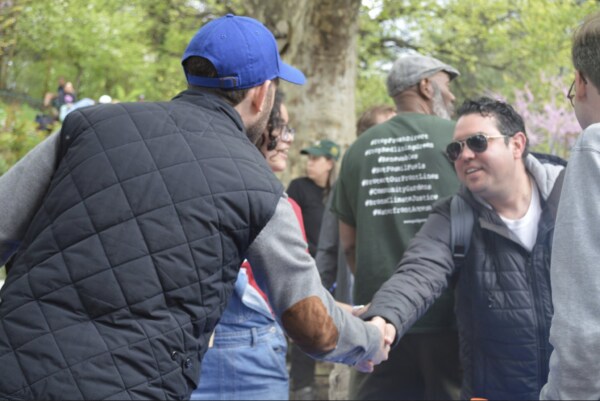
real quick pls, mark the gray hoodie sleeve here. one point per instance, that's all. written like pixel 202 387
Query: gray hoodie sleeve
pixel 22 189
pixel 575 277
pixel 305 309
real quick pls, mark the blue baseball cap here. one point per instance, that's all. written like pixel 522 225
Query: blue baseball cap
pixel 243 51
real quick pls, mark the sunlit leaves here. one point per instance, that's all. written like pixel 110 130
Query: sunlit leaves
pixel 505 47
pixel 499 45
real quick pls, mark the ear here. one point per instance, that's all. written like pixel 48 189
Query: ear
pixel 580 86
pixel 426 89
pixel 259 95
pixel 519 141
pixel 264 138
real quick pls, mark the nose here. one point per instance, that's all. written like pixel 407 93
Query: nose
pixel 452 97
pixel 466 153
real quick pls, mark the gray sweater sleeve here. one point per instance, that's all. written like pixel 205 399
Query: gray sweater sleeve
pixel 575 278
pixel 22 189
pixel 306 310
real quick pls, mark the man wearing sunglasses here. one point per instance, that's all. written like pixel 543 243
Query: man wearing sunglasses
pixel 575 331
pixel 503 301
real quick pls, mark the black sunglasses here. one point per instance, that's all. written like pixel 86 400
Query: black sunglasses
pixel 478 143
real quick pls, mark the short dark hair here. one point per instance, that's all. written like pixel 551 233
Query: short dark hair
pixel 202 67
pixel 368 118
pixel 586 49
pixel 508 121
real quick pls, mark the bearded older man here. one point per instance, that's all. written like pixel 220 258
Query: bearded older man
pixel 389 178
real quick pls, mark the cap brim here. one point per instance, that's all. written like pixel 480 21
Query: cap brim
pixel 452 72
pixel 313 151
pixel 291 74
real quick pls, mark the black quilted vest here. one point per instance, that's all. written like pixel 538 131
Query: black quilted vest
pixel 132 256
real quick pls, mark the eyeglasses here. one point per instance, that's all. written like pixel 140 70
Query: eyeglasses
pixel 478 143
pixel 285 132
pixel 571 92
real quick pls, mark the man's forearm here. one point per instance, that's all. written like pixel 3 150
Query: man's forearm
pixel 307 311
pixel 348 239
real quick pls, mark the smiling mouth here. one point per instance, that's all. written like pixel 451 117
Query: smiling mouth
pixel 281 153
pixel 472 170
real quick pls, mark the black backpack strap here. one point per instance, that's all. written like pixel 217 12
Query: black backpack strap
pixel 548 158
pixel 461 228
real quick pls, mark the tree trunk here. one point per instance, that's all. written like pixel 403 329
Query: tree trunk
pixel 319 38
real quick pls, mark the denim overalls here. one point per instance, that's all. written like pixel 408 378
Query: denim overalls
pixel 247 359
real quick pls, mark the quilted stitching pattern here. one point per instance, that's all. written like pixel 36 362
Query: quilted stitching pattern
pixel 177 196
pixel 503 342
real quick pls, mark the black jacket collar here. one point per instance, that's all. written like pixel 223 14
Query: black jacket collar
pixel 210 101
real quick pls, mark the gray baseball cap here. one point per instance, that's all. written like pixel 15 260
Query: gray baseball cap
pixel 410 70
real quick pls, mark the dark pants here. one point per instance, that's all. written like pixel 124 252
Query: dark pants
pixel 422 366
pixel 302 368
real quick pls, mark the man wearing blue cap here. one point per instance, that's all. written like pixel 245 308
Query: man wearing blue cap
pixel 124 234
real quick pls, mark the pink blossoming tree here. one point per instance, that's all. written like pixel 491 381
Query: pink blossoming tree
pixel 551 124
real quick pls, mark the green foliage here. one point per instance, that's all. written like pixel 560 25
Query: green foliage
pixel 129 48
pixel 18 133
pixel 503 45
pixel 96 45
pixel 371 90
pixel 125 49
pixel 498 45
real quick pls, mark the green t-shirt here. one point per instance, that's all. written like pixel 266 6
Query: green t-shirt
pixel 390 177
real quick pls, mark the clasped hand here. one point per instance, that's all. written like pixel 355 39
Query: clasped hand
pixel 388 334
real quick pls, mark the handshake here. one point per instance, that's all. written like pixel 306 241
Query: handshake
pixel 388 334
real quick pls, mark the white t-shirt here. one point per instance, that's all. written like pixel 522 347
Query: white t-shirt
pixel 526 228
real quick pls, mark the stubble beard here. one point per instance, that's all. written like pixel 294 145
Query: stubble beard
pixel 255 131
